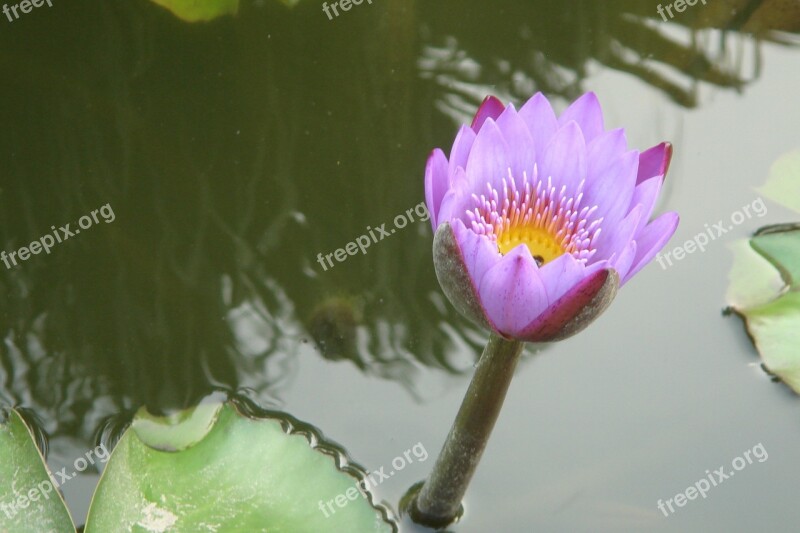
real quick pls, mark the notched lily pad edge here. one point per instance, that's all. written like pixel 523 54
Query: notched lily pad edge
pixel 318 442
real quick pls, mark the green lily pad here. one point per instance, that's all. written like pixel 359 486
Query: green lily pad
pixel 29 500
pixel 200 10
pixel 783 184
pixel 217 470
pixel 779 244
pixel 765 292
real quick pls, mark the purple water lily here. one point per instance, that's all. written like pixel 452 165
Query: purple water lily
pixel 539 219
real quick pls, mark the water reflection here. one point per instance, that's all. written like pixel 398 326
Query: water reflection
pixel 233 153
pixel 553 45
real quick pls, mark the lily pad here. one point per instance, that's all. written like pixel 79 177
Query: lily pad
pixel 765 292
pixel 216 469
pixel 29 500
pixel 199 10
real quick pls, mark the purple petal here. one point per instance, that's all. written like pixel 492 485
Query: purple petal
pixel 646 194
pixel 522 155
pixel 651 240
pixel 538 115
pixel 586 111
pixel 457 199
pixel 560 275
pixel 490 108
pixel 512 293
pixel 611 190
pixel 460 150
pixel 575 310
pixel 624 260
pixel 564 158
pixel 457 283
pixel 563 273
pixel 605 149
pixel 613 243
pixel 488 159
pixel 436 183
pixel 477 251
pixel 654 162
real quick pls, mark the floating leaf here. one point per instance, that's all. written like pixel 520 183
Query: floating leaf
pixel 754 281
pixel 200 10
pixel 779 244
pixel 783 184
pixel 28 499
pixel 214 469
pixel 765 291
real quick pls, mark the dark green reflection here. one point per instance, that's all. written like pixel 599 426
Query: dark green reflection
pixel 233 153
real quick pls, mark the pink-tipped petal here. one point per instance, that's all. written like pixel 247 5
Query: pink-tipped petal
pixel 654 162
pixel 491 107
pixel 512 292
pixel 538 115
pixel 586 111
pixel 436 183
pixel 575 310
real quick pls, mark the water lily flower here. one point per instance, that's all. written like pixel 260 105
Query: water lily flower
pixel 539 219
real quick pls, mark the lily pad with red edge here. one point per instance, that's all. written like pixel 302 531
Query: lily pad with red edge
pixel 220 468
pixel 764 291
pixel 29 500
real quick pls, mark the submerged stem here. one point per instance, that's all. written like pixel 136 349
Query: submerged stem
pixel 439 500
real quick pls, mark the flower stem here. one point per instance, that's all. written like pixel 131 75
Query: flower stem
pixel 438 502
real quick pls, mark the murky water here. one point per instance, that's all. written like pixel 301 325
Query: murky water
pixel 232 153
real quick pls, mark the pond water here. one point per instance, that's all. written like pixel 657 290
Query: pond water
pixel 230 154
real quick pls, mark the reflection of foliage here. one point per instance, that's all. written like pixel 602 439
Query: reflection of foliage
pixel 201 278
pixel 232 154
pixel 625 35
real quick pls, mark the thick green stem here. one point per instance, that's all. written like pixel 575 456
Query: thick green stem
pixel 439 500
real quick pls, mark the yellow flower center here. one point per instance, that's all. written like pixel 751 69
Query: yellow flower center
pixel 542 244
pixel 549 221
